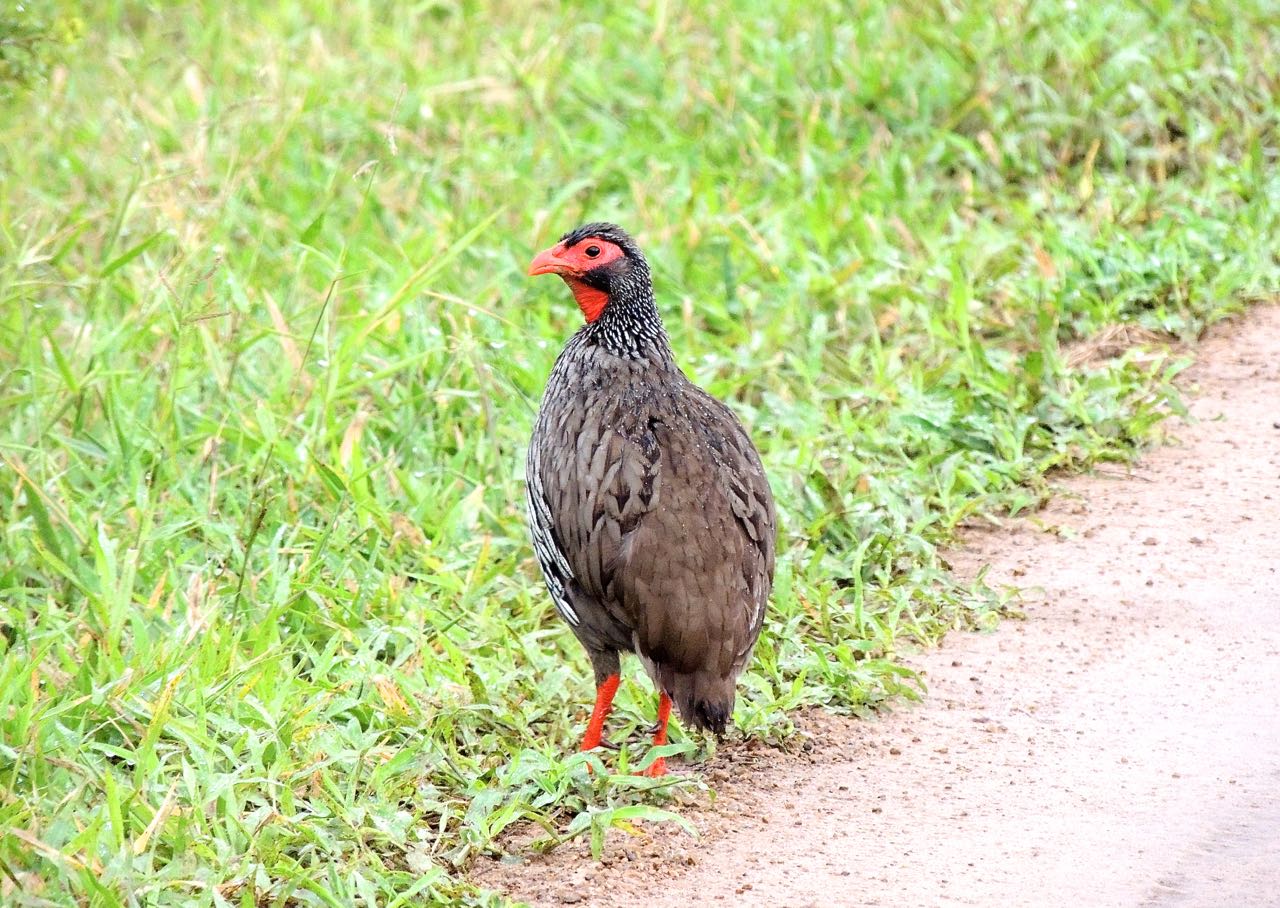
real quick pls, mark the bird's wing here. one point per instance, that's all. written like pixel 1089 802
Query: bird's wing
pixel 609 485
pixel 547 544
pixel 690 564
pixel 590 483
pixel 663 525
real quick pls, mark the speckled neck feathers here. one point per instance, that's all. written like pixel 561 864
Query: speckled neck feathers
pixel 630 325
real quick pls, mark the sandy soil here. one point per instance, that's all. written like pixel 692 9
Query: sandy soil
pixel 1121 746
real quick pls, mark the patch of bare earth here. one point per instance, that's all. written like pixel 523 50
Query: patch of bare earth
pixel 1121 746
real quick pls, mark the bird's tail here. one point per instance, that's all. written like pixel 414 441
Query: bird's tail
pixel 703 699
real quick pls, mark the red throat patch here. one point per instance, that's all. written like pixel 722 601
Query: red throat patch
pixel 590 300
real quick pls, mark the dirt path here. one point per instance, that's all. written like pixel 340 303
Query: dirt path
pixel 1119 747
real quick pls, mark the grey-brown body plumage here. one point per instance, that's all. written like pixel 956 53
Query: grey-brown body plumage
pixel 651 514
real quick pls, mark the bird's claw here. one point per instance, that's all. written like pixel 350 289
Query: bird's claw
pixel 603 744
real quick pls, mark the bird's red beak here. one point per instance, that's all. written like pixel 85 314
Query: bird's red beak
pixel 549 262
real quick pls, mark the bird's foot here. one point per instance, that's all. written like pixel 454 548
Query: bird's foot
pixel 594 741
pixel 657 769
pixel 602 744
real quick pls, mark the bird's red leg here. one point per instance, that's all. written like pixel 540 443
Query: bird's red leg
pixel 658 767
pixel 604 702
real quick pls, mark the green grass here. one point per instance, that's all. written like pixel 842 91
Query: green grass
pixel 272 632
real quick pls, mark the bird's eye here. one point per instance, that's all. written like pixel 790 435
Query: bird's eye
pixel 592 251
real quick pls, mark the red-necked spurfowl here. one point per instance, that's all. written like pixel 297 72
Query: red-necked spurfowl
pixel 651 515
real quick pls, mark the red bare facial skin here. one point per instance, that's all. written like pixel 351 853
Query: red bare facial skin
pixel 574 261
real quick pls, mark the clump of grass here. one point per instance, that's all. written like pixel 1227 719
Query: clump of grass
pixel 32 38
pixel 271 627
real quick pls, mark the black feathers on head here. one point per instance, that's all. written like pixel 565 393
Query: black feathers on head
pixel 605 231
pixel 627 277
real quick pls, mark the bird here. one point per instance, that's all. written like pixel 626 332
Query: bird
pixel 649 509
